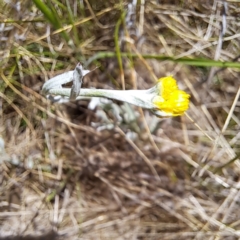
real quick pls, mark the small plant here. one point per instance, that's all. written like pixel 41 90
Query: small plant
pixel 164 99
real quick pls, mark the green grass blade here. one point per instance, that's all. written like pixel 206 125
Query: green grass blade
pixel 47 13
pixel 117 47
pixel 51 15
pixel 198 62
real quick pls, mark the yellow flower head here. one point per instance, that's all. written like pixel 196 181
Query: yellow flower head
pixel 171 100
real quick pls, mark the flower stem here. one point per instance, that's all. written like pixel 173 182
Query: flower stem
pixel 140 98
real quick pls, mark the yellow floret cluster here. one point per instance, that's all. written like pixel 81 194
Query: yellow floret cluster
pixel 171 100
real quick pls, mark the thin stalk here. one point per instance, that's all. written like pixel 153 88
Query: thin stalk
pixel 199 62
pixel 130 96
